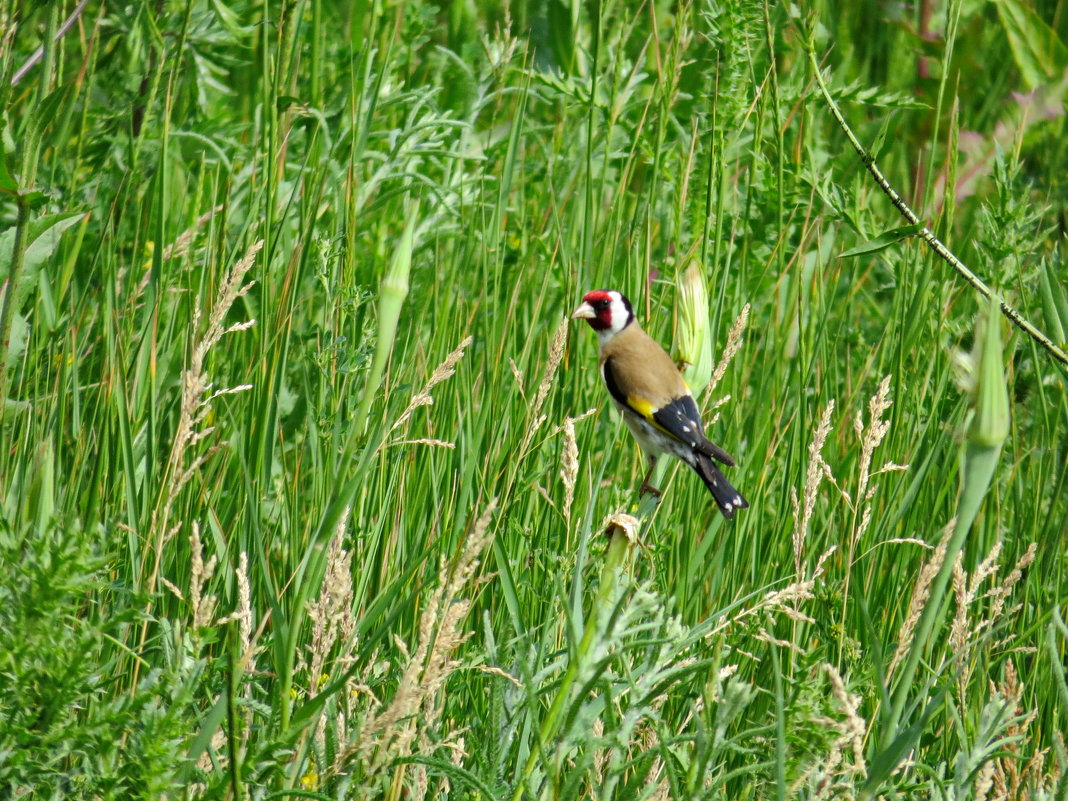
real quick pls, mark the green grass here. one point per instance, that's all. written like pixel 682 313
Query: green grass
pixel 245 556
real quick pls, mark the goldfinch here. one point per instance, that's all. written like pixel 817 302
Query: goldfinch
pixel 652 396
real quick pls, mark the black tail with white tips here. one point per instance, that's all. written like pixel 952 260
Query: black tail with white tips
pixel 728 499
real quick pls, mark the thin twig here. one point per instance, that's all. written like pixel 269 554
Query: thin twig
pixel 38 54
pixel 926 234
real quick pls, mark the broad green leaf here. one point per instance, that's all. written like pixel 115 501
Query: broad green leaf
pixel 7 181
pixel 19 335
pixel 883 241
pixel 40 242
pixel 1054 303
pixel 1039 53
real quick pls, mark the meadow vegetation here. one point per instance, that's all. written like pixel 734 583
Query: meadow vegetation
pixel 306 478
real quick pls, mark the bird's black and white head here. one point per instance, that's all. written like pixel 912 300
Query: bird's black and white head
pixel 607 311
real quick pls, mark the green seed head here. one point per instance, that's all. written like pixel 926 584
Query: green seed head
pixel 693 348
pixel 990 423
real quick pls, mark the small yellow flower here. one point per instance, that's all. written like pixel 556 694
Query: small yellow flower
pixel 150 251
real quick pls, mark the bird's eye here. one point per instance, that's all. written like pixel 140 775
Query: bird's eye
pixel 601 304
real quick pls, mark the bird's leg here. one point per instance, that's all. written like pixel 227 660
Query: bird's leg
pixel 646 488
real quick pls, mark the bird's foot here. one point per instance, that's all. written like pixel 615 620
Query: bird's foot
pixel 648 489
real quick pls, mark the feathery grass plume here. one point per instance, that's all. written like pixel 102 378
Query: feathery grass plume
pixel 171 587
pixel 444 371
pixel 517 374
pixel 391 732
pixel 655 778
pixel 1001 592
pixel 177 249
pixel 1007 779
pixel 854 726
pixel 918 600
pixel 871 437
pixel 966 593
pixel 965 634
pixel 203 605
pixel 569 467
pixel 331 613
pixel 180 246
pixel 829 778
pixel 243 616
pixel 601 755
pixel 247 636
pixel 392 292
pixel 730 350
pixel 428 441
pixel 984 780
pixel 786 602
pixel 569 463
pixel 693 343
pixel 196 403
pixel 958 629
pixel 556 354
pixel 816 471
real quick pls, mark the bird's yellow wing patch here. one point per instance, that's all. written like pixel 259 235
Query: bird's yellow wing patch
pixel 651 415
pixel 641 406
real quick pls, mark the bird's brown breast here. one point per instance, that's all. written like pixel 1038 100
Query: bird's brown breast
pixel 642 368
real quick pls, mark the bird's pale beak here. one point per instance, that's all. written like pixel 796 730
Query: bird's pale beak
pixel 584 312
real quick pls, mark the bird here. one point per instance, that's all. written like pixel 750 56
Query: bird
pixel 651 394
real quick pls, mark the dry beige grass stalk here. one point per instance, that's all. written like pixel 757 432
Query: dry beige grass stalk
pixel 920 591
pixel 195 405
pixel 556 354
pixel 443 372
pixel 817 470
pixel 331 613
pixel 785 602
pixel 400 724
pixel 202 604
pixel 569 467
pixel 965 630
pixel 730 349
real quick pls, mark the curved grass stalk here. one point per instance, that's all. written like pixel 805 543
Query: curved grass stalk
pixel 925 233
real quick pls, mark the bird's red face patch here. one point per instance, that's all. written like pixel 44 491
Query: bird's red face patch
pixel 601 301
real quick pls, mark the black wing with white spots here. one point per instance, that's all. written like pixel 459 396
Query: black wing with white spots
pixel 682 420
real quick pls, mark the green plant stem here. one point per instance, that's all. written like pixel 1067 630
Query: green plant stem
pixel 615 558
pixel 9 294
pixel 394 290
